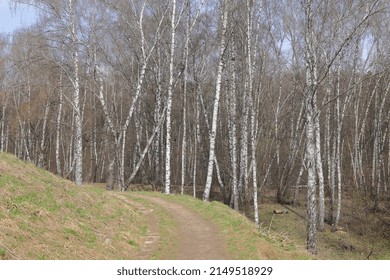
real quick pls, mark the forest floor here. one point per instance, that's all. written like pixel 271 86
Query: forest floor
pixel 358 237
pixel 43 216
pixel 196 238
pixel 181 227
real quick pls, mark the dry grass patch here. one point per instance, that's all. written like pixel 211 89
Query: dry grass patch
pixel 45 217
pixel 346 244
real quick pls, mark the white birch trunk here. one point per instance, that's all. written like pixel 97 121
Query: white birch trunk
pixel 338 166
pixel 253 112
pixel 111 151
pixel 213 133
pixel 196 140
pixel 122 159
pixel 310 92
pixel 243 178
pixel 4 136
pixel 167 186
pixel 320 174
pixel 330 153
pixel 42 145
pixel 298 183
pixel 6 139
pixel 28 139
pixel 184 140
pixel 58 126
pixel 78 122
pixel 232 116
pixel 157 111
pixel 254 170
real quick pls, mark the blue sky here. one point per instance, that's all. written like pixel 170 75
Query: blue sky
pixel 11 20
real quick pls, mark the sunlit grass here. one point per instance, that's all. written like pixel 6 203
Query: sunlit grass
pixel 45 217
pixel 244 240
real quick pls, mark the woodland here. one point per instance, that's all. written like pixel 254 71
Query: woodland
pixel 241 97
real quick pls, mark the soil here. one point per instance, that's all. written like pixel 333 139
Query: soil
pixel 196 237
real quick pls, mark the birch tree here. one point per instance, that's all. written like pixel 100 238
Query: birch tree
pixel 169 102
pixel 224 19
pixel 77 106
pixel 310 105
pixel 232 117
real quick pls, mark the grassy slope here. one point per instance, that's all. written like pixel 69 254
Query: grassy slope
pixel 45 217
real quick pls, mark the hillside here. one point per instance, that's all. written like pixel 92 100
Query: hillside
pixel 45 217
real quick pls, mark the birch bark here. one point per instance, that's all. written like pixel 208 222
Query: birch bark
pixel 232 116
pixel 58 125
pixel 253 121
pixel 310 97
pixel 168 135
pixel 42 146
pixel 184 140
pixel 78 151
pixel 213 133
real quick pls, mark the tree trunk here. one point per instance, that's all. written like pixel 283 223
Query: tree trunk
pixel 78 122
pixel 310 97
pixel 42 146
pixel 213 133
pixel 58 125
pixel 167 187
pixel 232 116
pixel 111 148
pixel 320 174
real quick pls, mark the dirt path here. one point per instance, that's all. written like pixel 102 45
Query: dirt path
pixel 196 237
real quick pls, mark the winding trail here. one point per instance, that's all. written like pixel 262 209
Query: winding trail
pixel 196 237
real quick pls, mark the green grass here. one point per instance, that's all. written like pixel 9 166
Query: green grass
pixel 89 236
pixel 167 227
pixel 143 230
pixel 133 243
pixel 40 199
pixel 11 181
pixel 167 238
pixel 45 217
pixel 70 205
pixel 281 236
pixel 244 241
pixel 2 252
pixel 69 231
pixel 290 231
pixel 42 215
